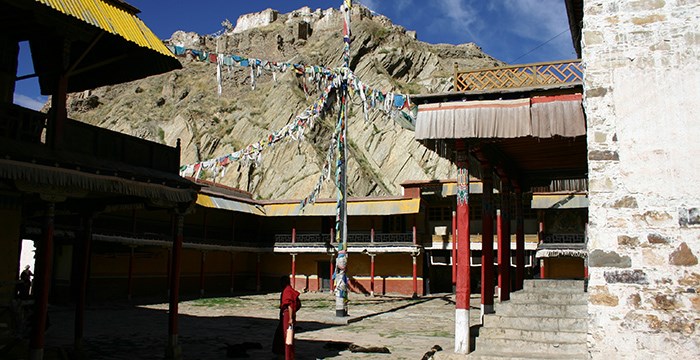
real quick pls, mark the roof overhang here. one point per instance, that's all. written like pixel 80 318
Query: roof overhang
pixel 106 42
pixel 535 139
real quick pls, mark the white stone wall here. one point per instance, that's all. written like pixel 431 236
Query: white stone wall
pixel 642 101
pixel 255 20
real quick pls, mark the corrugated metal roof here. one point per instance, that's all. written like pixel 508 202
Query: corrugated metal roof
pixel 111 19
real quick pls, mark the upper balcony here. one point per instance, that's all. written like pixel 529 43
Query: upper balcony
pixel 85 147
pixel 521 76
pixel 358 241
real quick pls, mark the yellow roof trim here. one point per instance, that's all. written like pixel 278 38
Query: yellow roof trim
pixel 112 20
pixel 355 208
pixel 226 204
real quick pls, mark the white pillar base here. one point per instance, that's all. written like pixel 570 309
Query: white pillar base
pixel 462 337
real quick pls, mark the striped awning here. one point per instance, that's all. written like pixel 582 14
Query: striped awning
pixel 541 117
pixel 355 208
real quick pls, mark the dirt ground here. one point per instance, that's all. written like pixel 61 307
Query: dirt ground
pixel 406 327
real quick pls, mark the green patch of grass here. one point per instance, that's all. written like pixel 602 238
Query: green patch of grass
pixel 318 303
pixel 211 302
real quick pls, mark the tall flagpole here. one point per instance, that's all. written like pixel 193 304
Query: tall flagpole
pixel 340 277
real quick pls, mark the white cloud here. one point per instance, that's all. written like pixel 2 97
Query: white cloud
pixel 26 101
pixel 461 18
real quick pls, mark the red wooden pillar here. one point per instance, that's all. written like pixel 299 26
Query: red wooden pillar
pixel 454 248
pixel 42 283
pixel 487 239
pixel 504 243
pixel 371 273
pixel 461 241
pixel 415 276
pixel 173 350
pixel 294 259
pixel 542 272
pixel 540 239
pixel 519 239
pixel 258 285
pixel 168 270
pixel 202 262
pixel 130 276
pixel 294 270
pixel 231 273
pixel 84 261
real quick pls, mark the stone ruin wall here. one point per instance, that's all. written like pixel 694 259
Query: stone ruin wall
pixel 641 95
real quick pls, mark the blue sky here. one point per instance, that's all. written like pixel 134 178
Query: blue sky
pixel 515 31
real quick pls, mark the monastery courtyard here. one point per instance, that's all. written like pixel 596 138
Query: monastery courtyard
pixel 407 327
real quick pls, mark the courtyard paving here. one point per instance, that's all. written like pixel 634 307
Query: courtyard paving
pixel 407 327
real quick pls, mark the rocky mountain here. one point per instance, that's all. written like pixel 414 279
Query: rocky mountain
pixel 185 104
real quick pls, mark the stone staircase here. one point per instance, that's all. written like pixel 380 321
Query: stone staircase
pixel 546 320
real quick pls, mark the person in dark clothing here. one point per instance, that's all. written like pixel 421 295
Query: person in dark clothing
pixel 289 305
pixel 26 283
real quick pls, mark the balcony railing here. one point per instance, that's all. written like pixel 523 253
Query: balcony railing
pixel 318 238
pixel 23 136
pixel 519 76
pixel 564 239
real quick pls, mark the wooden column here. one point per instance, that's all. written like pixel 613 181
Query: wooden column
pixel 540 239
pixel 173 350
pixel 454 249
pixel 294 259
pixel 202 263
pixel 258 285
pixel 519 239
pixel 462 231
pixel 504 242
pixel 168 270
pixel 294 270
pixel 130 275
pixel 415 276
pixel 231 273
pixel 42 284
pixel 371 273
pixel 9 55
pixel 84 268
pixel 487 239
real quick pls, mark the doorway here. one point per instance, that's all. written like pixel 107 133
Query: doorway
pixel 324 275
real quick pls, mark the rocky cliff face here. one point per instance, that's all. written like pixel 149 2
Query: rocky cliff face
pixel 184 104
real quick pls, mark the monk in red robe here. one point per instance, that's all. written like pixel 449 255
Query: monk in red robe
pixel 289 305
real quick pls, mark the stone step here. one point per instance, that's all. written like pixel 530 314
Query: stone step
pixel 530 346
pixel 549 297
pixel 537 309
pixel 535 323
pixel 566 286
pixel 480 355
pixel 523 334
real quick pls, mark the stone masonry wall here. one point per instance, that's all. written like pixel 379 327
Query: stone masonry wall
pixel 642 100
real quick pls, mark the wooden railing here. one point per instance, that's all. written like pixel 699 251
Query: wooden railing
pixel 353 237
pixel 23 137
pixel 519 76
